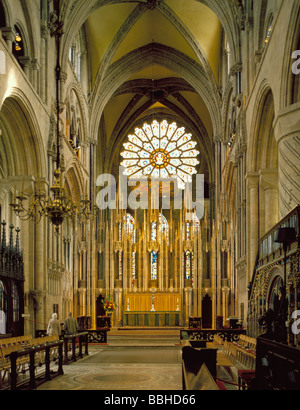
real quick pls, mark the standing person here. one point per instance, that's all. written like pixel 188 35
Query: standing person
pixel 54 326
pixel 71 325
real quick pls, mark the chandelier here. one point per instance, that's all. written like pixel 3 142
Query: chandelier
pixel 57 207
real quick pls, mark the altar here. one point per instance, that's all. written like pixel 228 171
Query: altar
pixel 151 319
pixel 158 309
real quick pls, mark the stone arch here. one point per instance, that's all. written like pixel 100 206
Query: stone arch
pixel 74 181
pixel 75 14
pixel 263 150
pixel 260 19
pixel 7 13
pixel 290 88
pixel 275 279
pixel 75 99
pixel 21 138
pixel 25 52
pixel 262 168
pixel 134 61
pixel 141 116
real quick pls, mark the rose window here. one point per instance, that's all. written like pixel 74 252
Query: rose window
pixel 160 150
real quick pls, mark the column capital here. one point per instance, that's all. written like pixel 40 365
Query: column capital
pixel 8 34
pixel 35 64
pixel 25 62
pixel 252 179
pixel 268 178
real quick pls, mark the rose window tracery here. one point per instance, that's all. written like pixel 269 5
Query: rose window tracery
pixel 160 150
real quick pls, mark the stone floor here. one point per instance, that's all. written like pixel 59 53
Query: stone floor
pixel 132 360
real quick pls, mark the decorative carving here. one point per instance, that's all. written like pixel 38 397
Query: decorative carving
pixel 55 26
pixel 152 4
pixel 11 258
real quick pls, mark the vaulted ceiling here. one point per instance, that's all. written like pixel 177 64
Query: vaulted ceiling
pixel 152 58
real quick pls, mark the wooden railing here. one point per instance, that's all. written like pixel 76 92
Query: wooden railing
pixel 230 335
pixel 73 347
pixel 26 363
pixel 33 353
pixel 277 366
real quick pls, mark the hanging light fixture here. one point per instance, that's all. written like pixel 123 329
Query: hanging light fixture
pixel 56 207
pixel 17 46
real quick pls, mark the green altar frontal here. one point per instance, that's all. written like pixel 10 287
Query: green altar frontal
pixel 152 319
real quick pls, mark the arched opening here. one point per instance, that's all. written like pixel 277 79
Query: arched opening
pixel 275 294
pixel 2 16
pixel 264 160
pixel 18 43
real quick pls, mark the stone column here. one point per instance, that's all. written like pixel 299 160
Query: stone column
pixel 8 35
pixel 43 60
pixel 269 186
pixel 287 135
pixel 188 305
pixel 119 303
pixel 40 270
pixel 252 221
pixel 35 75
pixel 26 65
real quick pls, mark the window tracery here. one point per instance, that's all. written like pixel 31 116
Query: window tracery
pixel 160 150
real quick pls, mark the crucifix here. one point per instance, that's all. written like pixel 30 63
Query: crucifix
pixel 153 299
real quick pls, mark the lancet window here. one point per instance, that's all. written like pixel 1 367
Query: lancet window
pixel 164 226
pixel 189 259
pixel 154 265
pixel 153 231
pixel 133 265
pixel 130 229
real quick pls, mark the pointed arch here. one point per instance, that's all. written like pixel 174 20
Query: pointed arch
pixel 144 57
pixel 21 137
pixel 290 86
pixel 263 152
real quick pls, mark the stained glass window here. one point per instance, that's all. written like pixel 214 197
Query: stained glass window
pixel 133 265
pixel 164 226
pixel 188 233
pixel 192 227
pixel 160 150
pixel 120 264
pixel 130 227
pixel 153 231
pixel 120 231
pixel 196 224
pixel 154 260
pixel 189 265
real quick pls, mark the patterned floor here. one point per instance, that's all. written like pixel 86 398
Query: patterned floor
pixel 138 362
pixel 130 361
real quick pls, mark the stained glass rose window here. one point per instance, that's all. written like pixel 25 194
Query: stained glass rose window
pixel 160 150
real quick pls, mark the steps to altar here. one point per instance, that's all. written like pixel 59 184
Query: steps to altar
pixel 144 337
